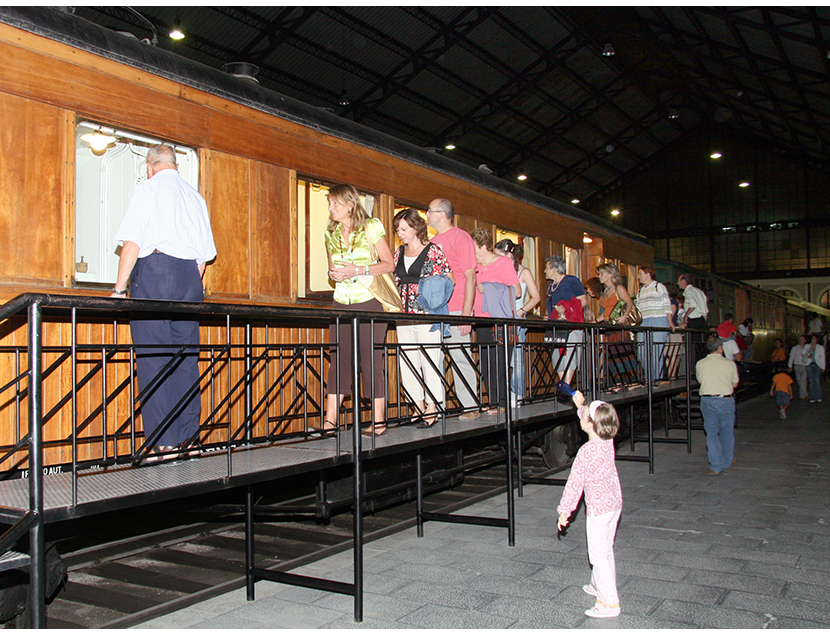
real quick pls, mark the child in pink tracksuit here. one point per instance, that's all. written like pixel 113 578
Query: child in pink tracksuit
pixel 594 473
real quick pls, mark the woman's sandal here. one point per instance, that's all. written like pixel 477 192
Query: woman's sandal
pixel 329 429
pixel 378 430
pixel 427 421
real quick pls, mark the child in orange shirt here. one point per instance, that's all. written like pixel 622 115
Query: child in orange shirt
pixel 781 389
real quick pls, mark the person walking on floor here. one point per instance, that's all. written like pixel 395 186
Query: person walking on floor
pixel 815 368
pixel 595 473
pixel 718 379
pixel 798 362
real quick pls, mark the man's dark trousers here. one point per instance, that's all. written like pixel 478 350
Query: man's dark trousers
pixel 162 277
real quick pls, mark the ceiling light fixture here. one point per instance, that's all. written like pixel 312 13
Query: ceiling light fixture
pixel 522 177
pixel 176 32
pixel 715 155
pixel 344 99
pixel 615 212
pixel 587 239
pixel 673 114
pixel 574 201
pixel 450 146
pixel 744 184
pixel 608 51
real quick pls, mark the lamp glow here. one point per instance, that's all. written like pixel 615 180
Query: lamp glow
pixel 522 177
pixel 450 146
pixel 744 184
pixel 615 212
pixel 715 155
pixel 98 141
pixel 176 33
pixel 574 201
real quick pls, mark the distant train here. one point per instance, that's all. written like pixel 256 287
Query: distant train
pixel 774 316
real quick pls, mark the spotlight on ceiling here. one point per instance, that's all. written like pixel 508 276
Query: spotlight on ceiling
pixel 673 114
pixel 574 201
pixel 615 212
pixel 176 32
pixel 450 146
pixel 344 99
pixel 744 184
pixel 715 155
pixel 522 177
pixel 608 50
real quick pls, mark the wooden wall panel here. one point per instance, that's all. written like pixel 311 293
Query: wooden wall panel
pixel 228 196
pixel 273 253
pixel 31 191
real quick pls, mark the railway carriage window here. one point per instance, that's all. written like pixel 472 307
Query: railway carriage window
pixel 573 261
pixel 105 178
pixel 313 218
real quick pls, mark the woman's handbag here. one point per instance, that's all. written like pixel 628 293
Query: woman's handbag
pixel 635 318
pixel 383 287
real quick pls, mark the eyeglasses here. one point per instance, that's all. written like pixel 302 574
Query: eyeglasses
pixel 433 211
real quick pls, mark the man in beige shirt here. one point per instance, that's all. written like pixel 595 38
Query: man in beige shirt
pixel 718 378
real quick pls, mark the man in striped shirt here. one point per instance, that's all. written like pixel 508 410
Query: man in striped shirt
pixel 166 241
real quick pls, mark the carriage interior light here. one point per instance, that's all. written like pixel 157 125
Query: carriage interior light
pixel 98 141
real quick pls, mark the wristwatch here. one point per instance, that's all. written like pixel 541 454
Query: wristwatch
pixel 124 292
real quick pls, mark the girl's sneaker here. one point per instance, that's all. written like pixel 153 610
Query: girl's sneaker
pixel 589 589
pixel 603 611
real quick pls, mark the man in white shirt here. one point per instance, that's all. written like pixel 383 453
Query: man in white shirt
pixel 166 242
pixel 799 360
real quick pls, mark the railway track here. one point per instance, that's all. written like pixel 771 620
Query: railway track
pixel 131 566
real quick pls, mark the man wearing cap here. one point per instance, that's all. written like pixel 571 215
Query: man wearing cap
pixel 718 378
pixel 726 333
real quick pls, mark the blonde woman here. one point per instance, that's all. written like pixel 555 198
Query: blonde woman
pixel 352 239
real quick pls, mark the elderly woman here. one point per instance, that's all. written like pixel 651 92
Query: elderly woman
pixel 416 259
pixel 526 301
pixel 499 286
pixel 565 294
pixel 655 307
pixel 352 240
pixel 615 307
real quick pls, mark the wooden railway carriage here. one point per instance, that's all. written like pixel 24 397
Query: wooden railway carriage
pixel 261 161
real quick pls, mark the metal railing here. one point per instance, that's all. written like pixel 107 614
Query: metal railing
pixel 262 380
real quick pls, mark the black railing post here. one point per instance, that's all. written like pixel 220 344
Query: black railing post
pixel 357 477
pixel 511 511
pixel 37 566
pixel 250 579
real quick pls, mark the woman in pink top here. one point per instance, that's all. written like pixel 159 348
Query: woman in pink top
pixel 498 287
pixel 594 473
